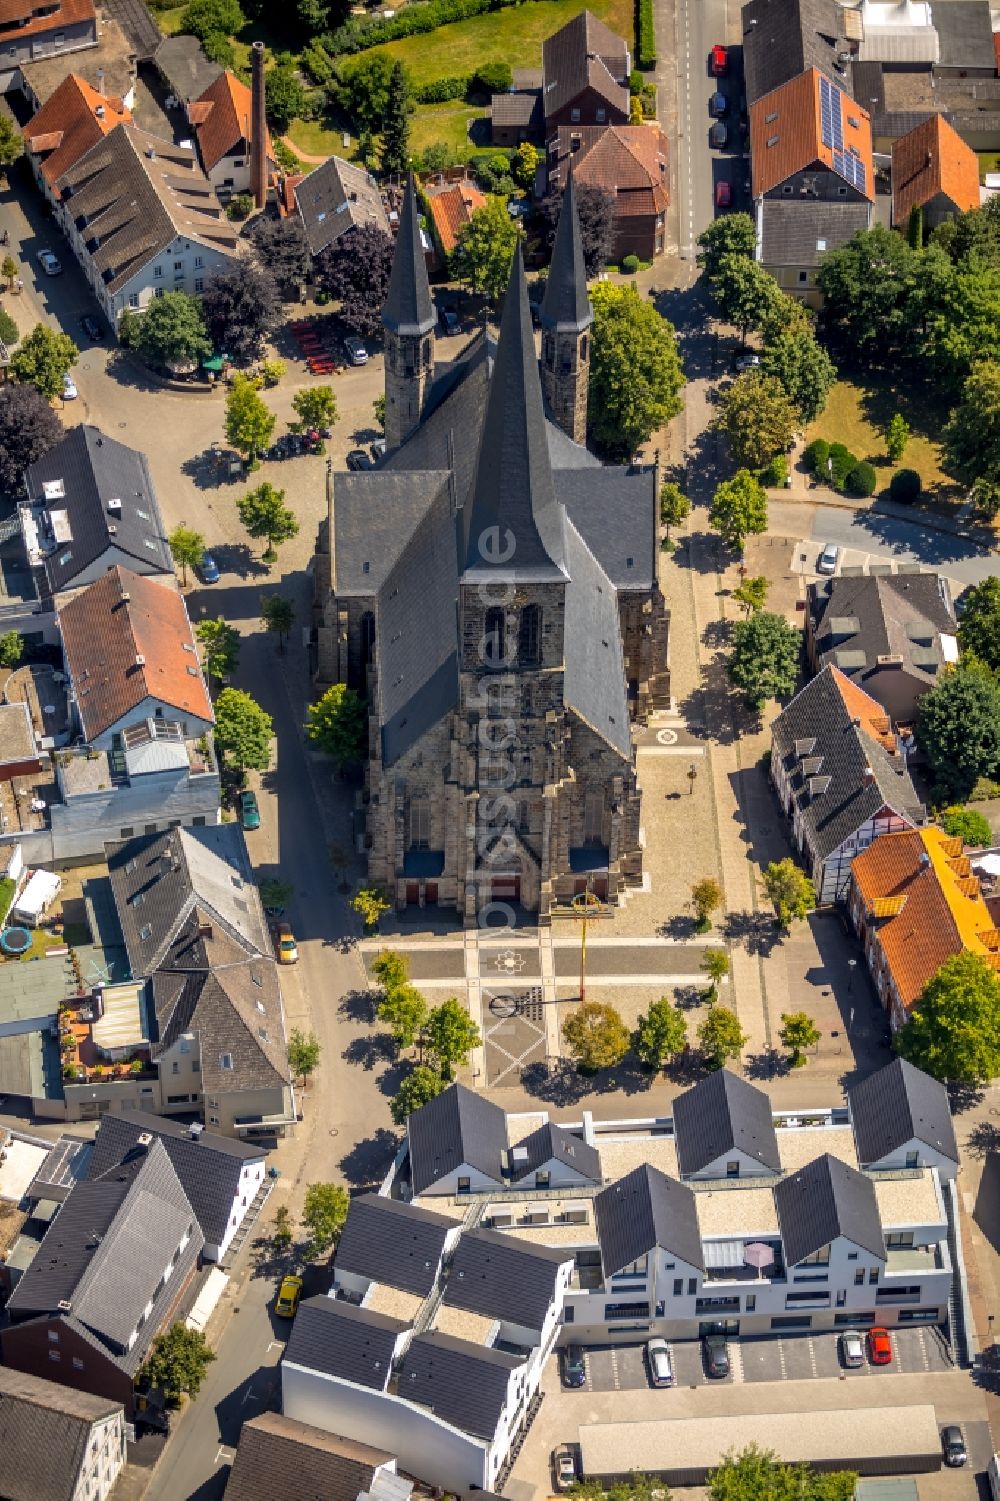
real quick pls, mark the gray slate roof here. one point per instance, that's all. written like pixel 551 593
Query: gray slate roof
pixel 392 1242
pixel 584 54
pixel 279 1456
pixel 408 309
pixel 46 1430
pixel 138 25
pixel 208 1166
pixel 521 110
pixel 823 1200
pixel 720 1114
pixel 643 1210
pixel 458 1127
pixel 342 1340
pixel 501 1277
pixel 553 1143
pixel 897 1104
pixel 594 674
pixel 94 469
pixel 335 197
pixel 566 304
pixel 800 231
pixel 818 712
pixel 901 615
pixel 182 61
pixel 462 1383
pixel 782 38
pixel 965 33
pixel 613 510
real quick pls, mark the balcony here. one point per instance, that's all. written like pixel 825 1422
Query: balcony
pixel 903 1260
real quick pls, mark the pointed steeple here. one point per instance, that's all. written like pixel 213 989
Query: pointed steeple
pixel 408 309
pixel 513 523
pixel 566 304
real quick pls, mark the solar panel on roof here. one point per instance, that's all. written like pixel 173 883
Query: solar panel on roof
pixel 831 103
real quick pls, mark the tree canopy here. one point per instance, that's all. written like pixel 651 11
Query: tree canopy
pixel 721 1037
pixel 303 1054
pixel 43 359
pixel 730 234
pixel 418 1088
pixel 362 89
pixel 324 1211
pixel 979 622
pixel 449 1035
pixel 636 376
pixel 171 332
pixel 764 660
pixel 249 422
pixel 264 514
pixel 396 124
pixel 959 823
pixel 758 418
pixel 595 209
pixel 739 509
pixel 866 286
pixel 355 269
pixel 789 890
pixel 337 723
pixel 282 246
pixel 756 1474
pixel 972 433
pixel 11 144
pixel 178 1362
pixel 661 1033
pixel 803 368
pixel 241 309
pixel 747 295
pixel 958 727
pixel 284 96
pixel 798 1032
pixel 220 647
pixel 28 429
pixel 596 1035
pixel 405 1012
pixel 277 614
pixel 242 731
pixel 187 547
pixel 485 249
pixel 953 1032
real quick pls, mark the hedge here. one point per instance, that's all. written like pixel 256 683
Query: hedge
pixel 645 34
pixel 905 486
pixel 816 455
pixel 360 33
pixel 441 89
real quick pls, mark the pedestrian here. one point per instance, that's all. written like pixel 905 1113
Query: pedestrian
pixel 20 286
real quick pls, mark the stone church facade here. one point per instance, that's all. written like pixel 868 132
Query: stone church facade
pixel 492 590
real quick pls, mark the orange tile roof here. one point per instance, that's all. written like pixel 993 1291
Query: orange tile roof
pixel 227 120
pixel 452 208
pixel 930 159
pixel 68 124
pixel 874 720
pixel 68 13
pixel 786 134
pixel 108 627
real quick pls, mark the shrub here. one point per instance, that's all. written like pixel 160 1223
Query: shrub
pixel 493 78
pixel 630 265
pixel 636 82
pixel 840 464
pixel 776 472
pixel 905 486
pixel 862 479
pixel 239 206
pixel 966 824
pixel 645 34
pixel 817 454
pixel 441 89
pixel 358 33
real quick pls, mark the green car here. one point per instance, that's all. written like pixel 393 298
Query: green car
pixel 249 811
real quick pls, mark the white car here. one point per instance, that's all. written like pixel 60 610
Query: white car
pixel 852 1349
pixel 69 391
pixel 747 361
pixel 355 350
pixel 658 1358
pixel 49 263
pixel 828 559
pixel 563 1467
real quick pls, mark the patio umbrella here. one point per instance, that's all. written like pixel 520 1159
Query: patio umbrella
pixel 758 1255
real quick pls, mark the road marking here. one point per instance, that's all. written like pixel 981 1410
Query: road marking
pixel 250 1395
pixel 736 1361
pixel 812 1355
pixel 781 1359
pixel 666 737
pixel 275 1344
pixel 669 750
pixel 614 1370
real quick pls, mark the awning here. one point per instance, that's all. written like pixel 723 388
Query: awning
pixel 723 1253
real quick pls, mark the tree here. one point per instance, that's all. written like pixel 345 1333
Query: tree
pixel 356 269
pixel 178 1362
pixel 28 429
pixel 661 1033
pixel 958 727
pixel 392 970
pixel 953 1032
pixel 739 509
pixel 9 333
pixel 275 893
pixel 675 507
pixel 249 423
pixel 485 248
pixel 405 1013
pixel 11 648
pixel 277 614
pixel 525 165
pixel 11 145
pixel 596 1036
pixel 187 547
pixel 396 124
pixel 789 890
pixel 324 1211
pixel 595 209
pixel 764 660
pixel 972 433
pixel 798 1032
pixel 866 287
pixel 220 647
pixel 316 406
pixel 370 903
pixel 282 247
pixel 752 594
pixel 721 1037
pixel 241 309
pixel 284 96
pixel 9 267
pixel 745 294
pixel 979 623
pixel 204 18
pixel 799 362
pixel 281 1233
pixel 416 1090
pixel 43 360
pixel 729 235
pixel 242 731
pixel 338 723
pixel 758 418
pixel 264 514
pixel 706 896
pixel 635 371
pixel 757 1474
pixel 450 1035
pixel 303 1054
pixel 363 90
pixel 958 823
pixel 715 964
pixel 897 435
pixel 378 411
pixel 171 332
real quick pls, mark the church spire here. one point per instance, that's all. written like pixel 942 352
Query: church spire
pixel 408 310
pixel 566 304
pixel 513 522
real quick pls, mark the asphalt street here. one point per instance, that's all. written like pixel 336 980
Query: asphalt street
pixel 700 25
pixel 888 537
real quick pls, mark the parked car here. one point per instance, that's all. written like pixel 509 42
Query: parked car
pixel 723 195
pixel 879 1347
pixel 718 136
pixel 828 559
pixel 717 105
pixel 289 1294
pixel 746 361
pixel 249 811
pixel 449 321
pixel 285 946
pixel 574 1369
pixel 49 263
pixel 377 450
pixel 563 1467
pixel 953 1445
pixel 358 459
pixel 69 391
pixel 852 1349
pixel 91 327
pixel 719 61
pixel 716 1353
pixel 355 350
pixel 208 568
pixel 661 1372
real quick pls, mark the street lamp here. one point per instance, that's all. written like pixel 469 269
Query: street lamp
pixel 585 902
pixel 692 776
pixel 852 965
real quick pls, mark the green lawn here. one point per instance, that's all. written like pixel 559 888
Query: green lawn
pixel 169 21
pixel 319 138
pixel 448 123
pixel 989 161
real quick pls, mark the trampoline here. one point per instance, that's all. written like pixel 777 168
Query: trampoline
pixel 15 940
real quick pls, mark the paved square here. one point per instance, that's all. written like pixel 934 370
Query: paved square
pixel 513 1034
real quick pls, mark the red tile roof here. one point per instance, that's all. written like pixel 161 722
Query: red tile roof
pixel 930 159
pixel 786 133
pixel 627 160
pixel 68 124
pixel 222 119
pixel 451 209
pixel 68 13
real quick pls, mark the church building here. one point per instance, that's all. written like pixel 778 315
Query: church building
pixel 491 589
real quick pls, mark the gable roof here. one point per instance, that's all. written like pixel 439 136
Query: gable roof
pixel 392 1242
pixel 208 1166
pixel 902 615
pixel 31 23
pixel 335 197
pixel 408 309
pixel 458 1127
pixel 810 121
pixel 222 117
pixel 724 1113
pixel 126 639
pixel 799 232
pixel 898 1104
pixel 340 1339
pixel 584 54
pixel 931 159
pixel 46 1432
pixel 642 1211
pixel 502 1277
pixel 554 1143
pixel 185 66
pixel 629 161
pixel 462 1383
pixel 134 18
pixel 69 123
pixel 84 472
pixel 451 209
pixel 823 1200
pixel 848 736
pixel 279 1456
pixel 783 38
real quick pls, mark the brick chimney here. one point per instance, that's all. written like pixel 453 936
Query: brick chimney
pixel 258 128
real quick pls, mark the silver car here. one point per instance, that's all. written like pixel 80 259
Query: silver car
pixel 355 350
pixel 49 263
pixel 852 1349
pixel 658 1359
pixel 828 559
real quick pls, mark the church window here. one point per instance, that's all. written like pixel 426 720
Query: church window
pixel 420 824
pixel 494 646
pixel 593 818
pixel 367 638
pixel 529 636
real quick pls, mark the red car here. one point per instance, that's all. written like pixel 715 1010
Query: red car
pixel 723 195
pixel 879 1347
pixel 719 61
